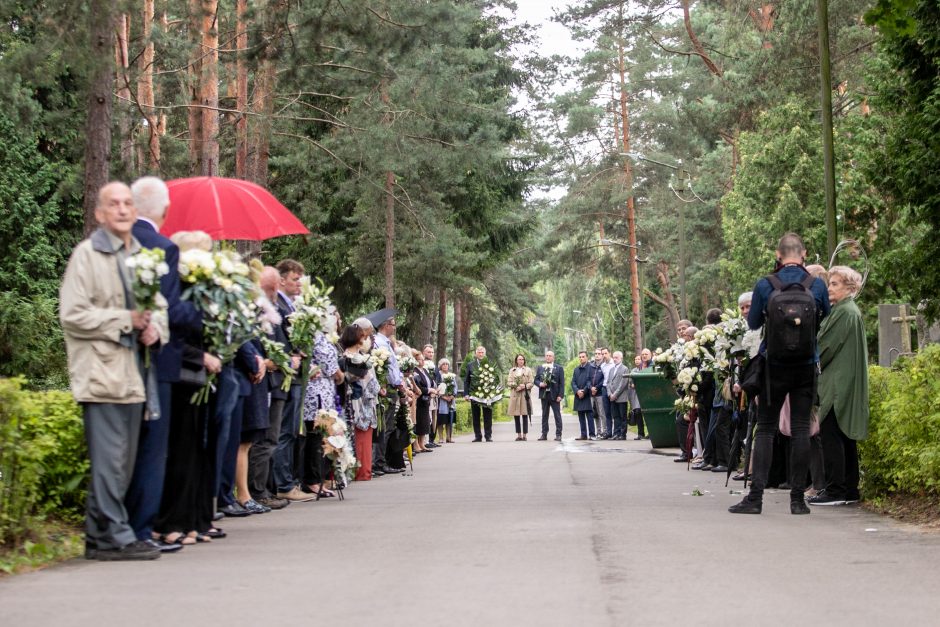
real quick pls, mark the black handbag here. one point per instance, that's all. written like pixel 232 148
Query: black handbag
pixel 193 372
pixel 752 379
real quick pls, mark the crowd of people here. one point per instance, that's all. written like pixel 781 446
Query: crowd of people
pixel 193 413
pixel 801 373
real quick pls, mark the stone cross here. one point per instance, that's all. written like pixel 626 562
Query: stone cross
pixel 905 320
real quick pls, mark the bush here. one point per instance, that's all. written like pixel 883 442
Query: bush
pixel 43 459
pixel 902 452
pixel 31 342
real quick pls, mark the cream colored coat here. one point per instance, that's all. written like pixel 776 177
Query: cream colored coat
pixel 517 404
pixel 102 351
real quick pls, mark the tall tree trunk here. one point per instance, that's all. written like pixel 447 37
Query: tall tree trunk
pixel 241 90
pixel 458 314
pixel 194 113
pixel 631 207
pixel 145 94
pixel 389 239
pixel 442 325
pixel 98 122
pixel 464 328
pixel 124 109
pixel 209 88
pixel 425 331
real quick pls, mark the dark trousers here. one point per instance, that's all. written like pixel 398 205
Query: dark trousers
pixel 226 493
pixel 522 424
pixel 283 467
pixel 636 417
pixel 682 432
pixel 220 413
pixel 261 455
pixel 718 440
pixel 316 470
pixel 143 495
pixel 618 412
pixel 840 453
pixel 800 383
pixel 586 422
pixel 380 438
pixel 112 432
pixel 549 403
pixel 605 400
pixel 475 410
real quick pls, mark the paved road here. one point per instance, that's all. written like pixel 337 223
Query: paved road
pixel 515 533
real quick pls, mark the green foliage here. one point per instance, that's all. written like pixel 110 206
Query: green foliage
pixel 43 460
pixel 464 421
pixel 902 452
pixel 31 341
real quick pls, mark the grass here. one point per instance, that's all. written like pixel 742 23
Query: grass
pixel 51 542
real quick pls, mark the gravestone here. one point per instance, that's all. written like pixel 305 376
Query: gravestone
pixel 894 332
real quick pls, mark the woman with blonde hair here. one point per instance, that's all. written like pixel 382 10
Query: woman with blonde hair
pixel 519 383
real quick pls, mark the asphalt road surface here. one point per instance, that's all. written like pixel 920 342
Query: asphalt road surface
pixel 515 533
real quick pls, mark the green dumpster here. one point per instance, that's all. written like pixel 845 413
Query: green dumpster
pixel 657 398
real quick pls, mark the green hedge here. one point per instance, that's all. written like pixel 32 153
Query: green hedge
pixel 902 452
pixel 43 459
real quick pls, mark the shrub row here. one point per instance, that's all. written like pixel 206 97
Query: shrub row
pixel 43 459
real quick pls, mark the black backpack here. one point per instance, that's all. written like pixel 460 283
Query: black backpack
pixel 790 329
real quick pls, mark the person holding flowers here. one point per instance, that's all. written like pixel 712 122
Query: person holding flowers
pixel 550 377
pixel 519 383
pixel 324 375
pixel 482 389
pixel 424 385
pixel 152 199
pixel 105 335
pixel 361 391
pixel 446 393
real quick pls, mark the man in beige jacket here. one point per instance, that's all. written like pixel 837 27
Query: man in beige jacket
pixel 104 333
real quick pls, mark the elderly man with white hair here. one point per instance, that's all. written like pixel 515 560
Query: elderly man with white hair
pixel 151 198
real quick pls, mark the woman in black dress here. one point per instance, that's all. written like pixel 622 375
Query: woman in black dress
pixel 424 384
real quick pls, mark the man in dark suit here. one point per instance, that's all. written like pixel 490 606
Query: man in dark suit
pixel 550 377
pixel 473 367
pixel 151 198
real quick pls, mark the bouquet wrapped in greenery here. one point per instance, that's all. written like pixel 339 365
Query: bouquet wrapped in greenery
pixel 275 352
pixel 486 387
pixel 450 384
pixel 220 285
pixel 313 313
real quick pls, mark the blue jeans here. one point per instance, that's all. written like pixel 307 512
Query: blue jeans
pixel 143 496
pixel 284 453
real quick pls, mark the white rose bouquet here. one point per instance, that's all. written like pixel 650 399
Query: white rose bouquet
pixel 220 286
pixel 450 384
pixel 487 389
pixel 147 268
pixel 313 313
pixel 276 353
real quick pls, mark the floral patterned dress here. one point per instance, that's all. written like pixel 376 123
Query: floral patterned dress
pixel 321 392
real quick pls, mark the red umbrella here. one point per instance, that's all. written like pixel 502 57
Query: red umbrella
pixel 227 209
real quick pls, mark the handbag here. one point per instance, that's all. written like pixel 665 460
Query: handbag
pixel 193 372
pixel 753 376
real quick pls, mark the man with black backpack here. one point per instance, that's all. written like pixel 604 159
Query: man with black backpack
pixel 789 304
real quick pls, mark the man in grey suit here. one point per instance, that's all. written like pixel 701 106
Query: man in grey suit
pixel 617 383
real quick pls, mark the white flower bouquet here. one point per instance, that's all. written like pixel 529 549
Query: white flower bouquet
pixel 220 286
pixel 337 445
pixel 407 363
pixel 450 384
pixel 276 353
pixel 487 389
pixel 313 313
pixel 147 268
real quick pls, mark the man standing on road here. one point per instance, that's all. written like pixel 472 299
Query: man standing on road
pixel 617 387
pixel 435 375
pixel 151 199
pixel 792 367
pixel 598 394
pixel 104 337
pixel 550 377
pixel 477 408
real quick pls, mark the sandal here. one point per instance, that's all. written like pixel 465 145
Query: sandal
pixel 215 533
pixel 175 537
pixel 198 537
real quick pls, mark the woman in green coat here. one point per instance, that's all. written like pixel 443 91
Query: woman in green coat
pixel 843 388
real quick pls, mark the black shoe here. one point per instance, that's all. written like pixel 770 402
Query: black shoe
pixel 388 470
pixel 489 439
pixel 234 511
pixel 377 473
pixel 746 506
pixel 720 469
pixel 543 438
pixel 681 459
pixel 137 550
pixel 274 503
pixel 798 507
pixel 558 438
pixel 91 551
pixel 824 498
pixel 164 547
pixel 477 439
pixel 636 438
